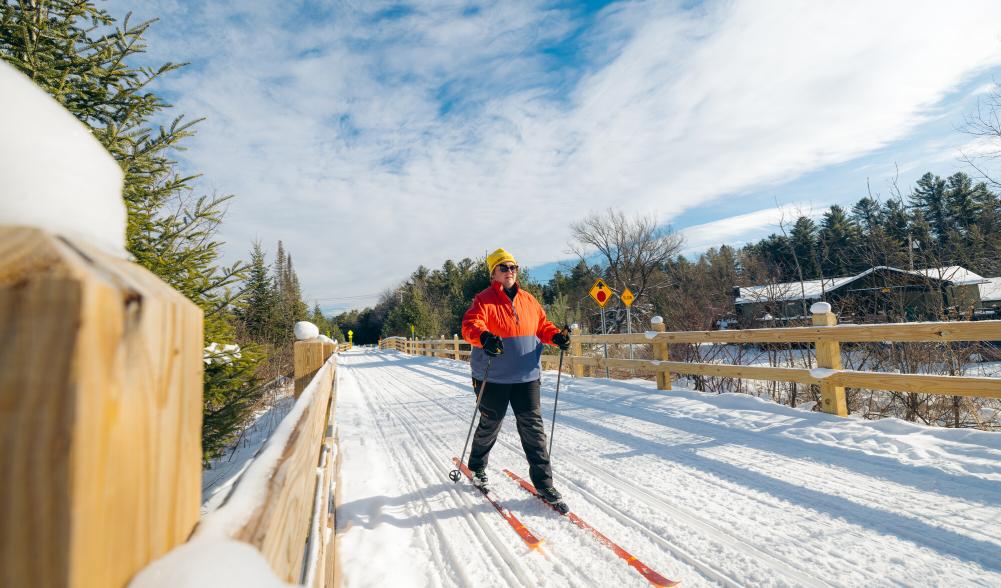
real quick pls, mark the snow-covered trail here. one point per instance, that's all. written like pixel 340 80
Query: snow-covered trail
pixel 707 489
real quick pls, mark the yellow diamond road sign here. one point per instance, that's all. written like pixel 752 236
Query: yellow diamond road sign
pixel 600 292
pixel 627 297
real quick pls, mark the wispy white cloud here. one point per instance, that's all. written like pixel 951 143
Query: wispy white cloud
pixel 987 88
pixel 373 139
pixel 744 228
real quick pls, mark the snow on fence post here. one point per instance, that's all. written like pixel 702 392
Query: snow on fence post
pixel 308 354
pixel 455 347
pixel 832 398
pixel 100 368
pixel 660 353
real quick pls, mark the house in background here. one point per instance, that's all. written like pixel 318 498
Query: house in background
pixel 879 294
pixel 990 299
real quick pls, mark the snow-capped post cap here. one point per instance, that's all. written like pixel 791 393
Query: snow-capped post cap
pixel 55 175
pixel 574 327
pixel 305 330
pixel 326 339
pixel 656 320
pixel 820 308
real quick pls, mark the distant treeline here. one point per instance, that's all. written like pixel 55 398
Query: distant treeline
pixel 951 221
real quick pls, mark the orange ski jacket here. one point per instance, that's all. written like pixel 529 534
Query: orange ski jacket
pixel 522 325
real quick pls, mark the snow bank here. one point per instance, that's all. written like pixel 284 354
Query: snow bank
pixel 222 563
pixel 53 173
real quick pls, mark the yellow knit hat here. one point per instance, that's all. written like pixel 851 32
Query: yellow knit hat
pixel 498 257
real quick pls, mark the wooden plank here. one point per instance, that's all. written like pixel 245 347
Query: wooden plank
pixel 326 524
pixel 660 353
pixel 279 525
pixel 925 383
pixel 308 357
pixel 898 332
pixel 832 397
pixel 576 350
pixel 100 412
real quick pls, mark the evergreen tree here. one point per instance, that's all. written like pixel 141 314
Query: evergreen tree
pixel 964 201
pixel 929 198
pixel 867 214
pixel 896 221
pixel 318 319
pixel 81 56
pixel 838 243
pixel 258 303
pixel 804 244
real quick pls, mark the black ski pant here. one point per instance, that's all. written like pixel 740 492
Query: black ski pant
pixel 524 400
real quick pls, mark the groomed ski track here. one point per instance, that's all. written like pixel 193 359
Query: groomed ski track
pixel 709 490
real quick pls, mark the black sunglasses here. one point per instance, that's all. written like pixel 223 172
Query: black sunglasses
pixel 507 268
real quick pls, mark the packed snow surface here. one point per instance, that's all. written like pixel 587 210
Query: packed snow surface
pixel 708 489
pixel 53 173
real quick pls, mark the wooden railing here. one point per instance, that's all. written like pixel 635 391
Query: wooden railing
pixel 285 502
pixel 825 337
pixel 101 415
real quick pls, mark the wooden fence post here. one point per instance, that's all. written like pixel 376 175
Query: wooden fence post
pixel 660 353
pixel 576 351
pixel 308 359
pixel 101 394
pixel 455 347
pixel 832 398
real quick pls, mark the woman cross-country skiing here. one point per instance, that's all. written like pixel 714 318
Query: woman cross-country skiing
pixel 508 325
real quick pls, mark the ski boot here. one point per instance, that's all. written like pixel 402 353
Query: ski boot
pixel 480 480
pixel 554 499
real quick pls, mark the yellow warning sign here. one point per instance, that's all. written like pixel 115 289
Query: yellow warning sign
pixel 600 292
pixel 627 297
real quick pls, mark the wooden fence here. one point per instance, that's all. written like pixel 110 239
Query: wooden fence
pixel 101 413
pixel 824 337
pixel 282 509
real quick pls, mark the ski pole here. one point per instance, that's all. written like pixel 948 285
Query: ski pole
pixel 454 474
pixel 552 428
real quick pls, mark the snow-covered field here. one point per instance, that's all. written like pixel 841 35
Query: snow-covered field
pixel 707 489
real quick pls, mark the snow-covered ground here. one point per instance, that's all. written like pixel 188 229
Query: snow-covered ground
pixel 707 489
pixel 224 472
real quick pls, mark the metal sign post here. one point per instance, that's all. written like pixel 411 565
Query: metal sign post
pixel 606 343
pixel 627 298
pixel 629 328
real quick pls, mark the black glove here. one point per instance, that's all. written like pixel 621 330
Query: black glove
pixel 562 340
pixel 492 344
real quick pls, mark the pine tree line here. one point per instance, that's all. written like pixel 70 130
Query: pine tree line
pixel 941 222
pixel 271 306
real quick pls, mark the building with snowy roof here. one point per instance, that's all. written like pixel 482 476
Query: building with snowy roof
pixel 990 298
pixel 880 293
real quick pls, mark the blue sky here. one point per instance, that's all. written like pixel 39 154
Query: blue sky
pixel 373 137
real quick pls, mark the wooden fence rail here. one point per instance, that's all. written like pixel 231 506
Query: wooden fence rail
pixel 100 414
pixel 284 503
pixel 824 337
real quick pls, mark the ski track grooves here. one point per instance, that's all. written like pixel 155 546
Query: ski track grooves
pixel 710 571
pixel 514 572
pixel 476 527
pixel 557 562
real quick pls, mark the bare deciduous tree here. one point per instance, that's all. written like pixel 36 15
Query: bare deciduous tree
pixel 634 250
